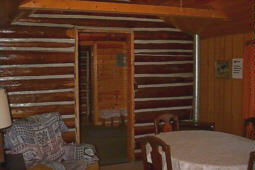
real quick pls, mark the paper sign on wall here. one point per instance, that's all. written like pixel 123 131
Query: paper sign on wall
pixel 237 68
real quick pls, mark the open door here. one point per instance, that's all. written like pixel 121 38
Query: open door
pixel 111 84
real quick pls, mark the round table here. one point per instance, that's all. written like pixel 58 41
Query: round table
pixel 207 150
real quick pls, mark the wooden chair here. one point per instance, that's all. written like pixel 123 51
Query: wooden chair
pixel 156 157
pixel 171 122
pixel 251 161
pixel 249 128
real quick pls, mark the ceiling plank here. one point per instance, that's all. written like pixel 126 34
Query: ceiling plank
pixel 123 8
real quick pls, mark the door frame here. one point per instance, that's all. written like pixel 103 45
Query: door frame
pixel 130 72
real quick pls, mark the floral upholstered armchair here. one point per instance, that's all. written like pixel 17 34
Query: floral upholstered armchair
pixel 39 139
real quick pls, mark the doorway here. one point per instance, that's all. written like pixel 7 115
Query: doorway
pixel 106 93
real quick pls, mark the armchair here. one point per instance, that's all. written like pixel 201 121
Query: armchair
pixel 39 139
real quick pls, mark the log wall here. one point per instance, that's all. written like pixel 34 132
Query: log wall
pixel 221 98
pixel 163 59
pixel 37 70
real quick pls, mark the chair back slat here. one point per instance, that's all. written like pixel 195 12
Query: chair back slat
pixel 156 162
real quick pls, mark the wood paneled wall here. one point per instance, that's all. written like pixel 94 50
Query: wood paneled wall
pixel 37 70
pixel 221 98
pixel 163 59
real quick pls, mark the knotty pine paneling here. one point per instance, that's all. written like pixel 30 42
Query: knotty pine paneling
pixel 112 80
pixel 221 98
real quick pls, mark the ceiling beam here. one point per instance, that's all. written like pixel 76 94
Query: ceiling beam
pixel 75 5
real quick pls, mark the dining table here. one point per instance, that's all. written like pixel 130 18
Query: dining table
pixel 207 150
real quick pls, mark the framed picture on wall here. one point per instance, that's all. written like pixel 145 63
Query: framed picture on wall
pixel 222 69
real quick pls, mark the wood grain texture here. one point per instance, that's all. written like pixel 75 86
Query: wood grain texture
pixel 162 80
pixel 164 103
pixel 18 57
pixel 97 23
pixel 162 35
pixel 125 8
pixel 69 137
pixel 112 85
pixel 33 79
pixel 28 85
pixel 76 87
pixel 146 117
pixel 164 68
pixel 221 98
pixel 161 58
pixel 164 46
pixel 164 92
pixel 39 98
pixel 21 112
pixel 34 32
pixel 11 72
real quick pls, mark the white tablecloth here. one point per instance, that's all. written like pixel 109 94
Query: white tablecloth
pixel 208 150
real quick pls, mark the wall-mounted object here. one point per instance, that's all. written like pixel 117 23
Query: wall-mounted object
pixel 222 69
pixel 237 68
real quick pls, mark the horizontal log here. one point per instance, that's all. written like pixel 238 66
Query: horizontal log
pixel 36 44
pixel 168 68
pixel 164 92
pixel 161 58
pixel 165 103
pixel 163 46
pixel 69 137
pixel 164 54
pixel 97 22
pixel 103 37
pixel 35 32
pixel 29 85
pixel 148 117
pixel 21 112
pixel 161 35
pixel 141 130
pixel 162 80
pixel 94 14
pixel 15 57
pixel 37 98
pixel 69 122
pixel 9 72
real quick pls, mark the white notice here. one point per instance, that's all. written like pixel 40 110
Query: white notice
pixel 237 68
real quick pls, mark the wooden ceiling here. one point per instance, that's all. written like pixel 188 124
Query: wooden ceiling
pixel 205 17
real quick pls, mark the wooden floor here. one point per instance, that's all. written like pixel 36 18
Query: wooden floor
pixel 138 165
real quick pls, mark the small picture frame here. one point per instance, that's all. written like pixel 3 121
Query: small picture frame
pixel 222 69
